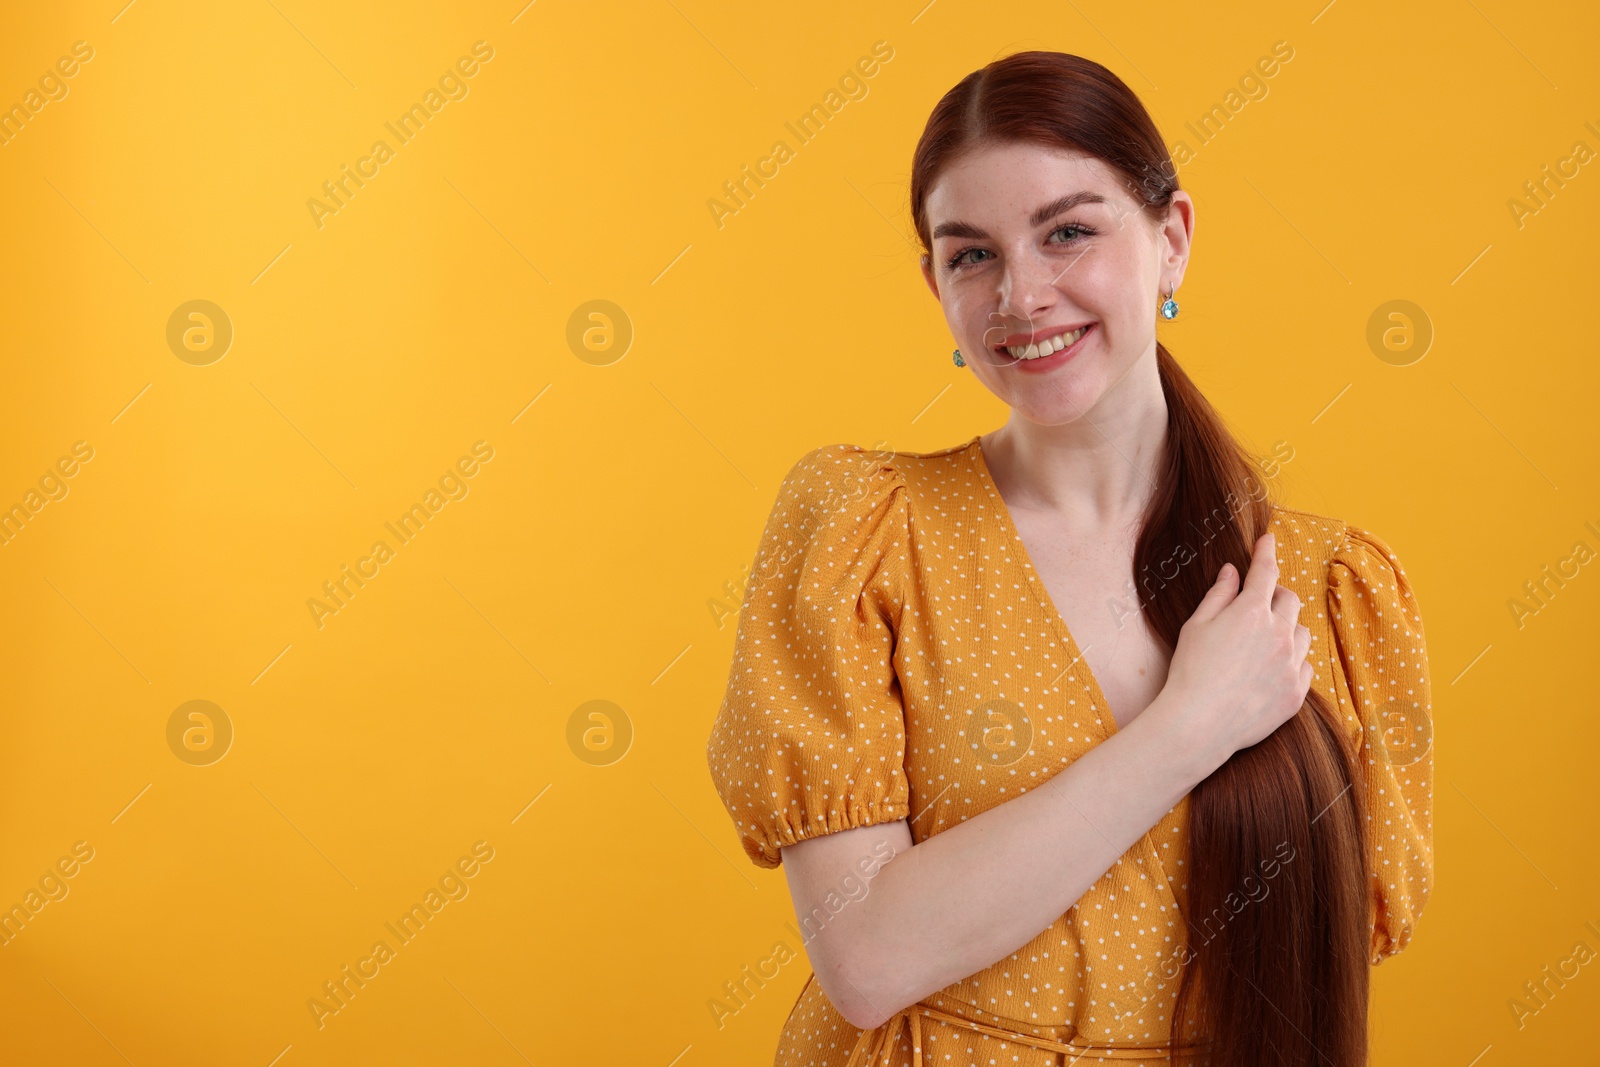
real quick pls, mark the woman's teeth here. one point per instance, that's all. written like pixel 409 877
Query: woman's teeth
pixel 1046 348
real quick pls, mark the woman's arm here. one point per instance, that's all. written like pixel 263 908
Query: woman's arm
pixel 959 901
pixel 949 907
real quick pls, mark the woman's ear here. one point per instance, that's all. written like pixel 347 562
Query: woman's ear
pixel 1179 234
pixel 927 275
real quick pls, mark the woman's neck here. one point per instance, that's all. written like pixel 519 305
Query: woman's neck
pixel 1097 471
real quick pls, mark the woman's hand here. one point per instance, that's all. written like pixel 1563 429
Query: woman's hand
pixel 1239 670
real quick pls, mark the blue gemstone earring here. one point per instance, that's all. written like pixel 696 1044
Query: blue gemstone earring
pixel 958 360
pixel 1169 309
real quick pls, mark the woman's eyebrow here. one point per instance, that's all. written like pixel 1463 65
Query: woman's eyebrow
pixel 1038 218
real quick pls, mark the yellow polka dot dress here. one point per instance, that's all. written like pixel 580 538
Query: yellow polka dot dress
pixel 893 618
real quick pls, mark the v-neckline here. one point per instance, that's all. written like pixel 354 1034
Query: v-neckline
pixel 1097 696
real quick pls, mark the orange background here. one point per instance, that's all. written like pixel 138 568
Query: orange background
pixel 445 303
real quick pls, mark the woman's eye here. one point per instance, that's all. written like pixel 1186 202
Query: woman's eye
pixel 1072 226
pixel 959 260
pixel 954 261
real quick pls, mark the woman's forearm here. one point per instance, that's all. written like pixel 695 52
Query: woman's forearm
pixel 967 897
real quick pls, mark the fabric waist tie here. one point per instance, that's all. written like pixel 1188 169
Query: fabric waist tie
pixel 874 1047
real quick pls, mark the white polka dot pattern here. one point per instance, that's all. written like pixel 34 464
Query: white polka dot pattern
pixel 811 735
pixel 891 602
pixel 1386 691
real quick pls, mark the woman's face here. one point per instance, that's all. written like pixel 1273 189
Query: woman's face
pixel 1029 266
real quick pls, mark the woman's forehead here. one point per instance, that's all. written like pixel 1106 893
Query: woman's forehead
pixel 1012 182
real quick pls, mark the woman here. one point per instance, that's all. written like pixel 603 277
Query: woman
pixel 1102 800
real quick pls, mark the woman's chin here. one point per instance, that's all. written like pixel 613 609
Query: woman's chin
pixel 1057 408
pixel 1052 398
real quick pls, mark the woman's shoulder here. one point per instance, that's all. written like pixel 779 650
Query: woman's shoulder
pixel 1330 548
pixel 837 477
pixel 1315 536
pixel 849 471
pixel 839 529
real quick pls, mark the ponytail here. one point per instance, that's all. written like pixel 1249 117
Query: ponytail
pixel 1282 979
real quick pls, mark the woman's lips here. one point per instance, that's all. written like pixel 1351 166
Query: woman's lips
pixel 1043 364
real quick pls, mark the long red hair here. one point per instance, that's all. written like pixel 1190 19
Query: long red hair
pixel 1284 979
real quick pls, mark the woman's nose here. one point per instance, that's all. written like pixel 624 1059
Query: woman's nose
pixel 1026 285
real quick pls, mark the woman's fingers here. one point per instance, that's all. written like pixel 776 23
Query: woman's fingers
pixel 1286 604
pixel 1263 576
pixel 1219 596
pixel 1302 642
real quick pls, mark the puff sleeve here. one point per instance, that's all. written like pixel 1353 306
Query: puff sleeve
pixel 1387 699
pixel 810 736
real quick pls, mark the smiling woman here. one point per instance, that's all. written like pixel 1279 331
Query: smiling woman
pixel 929 666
